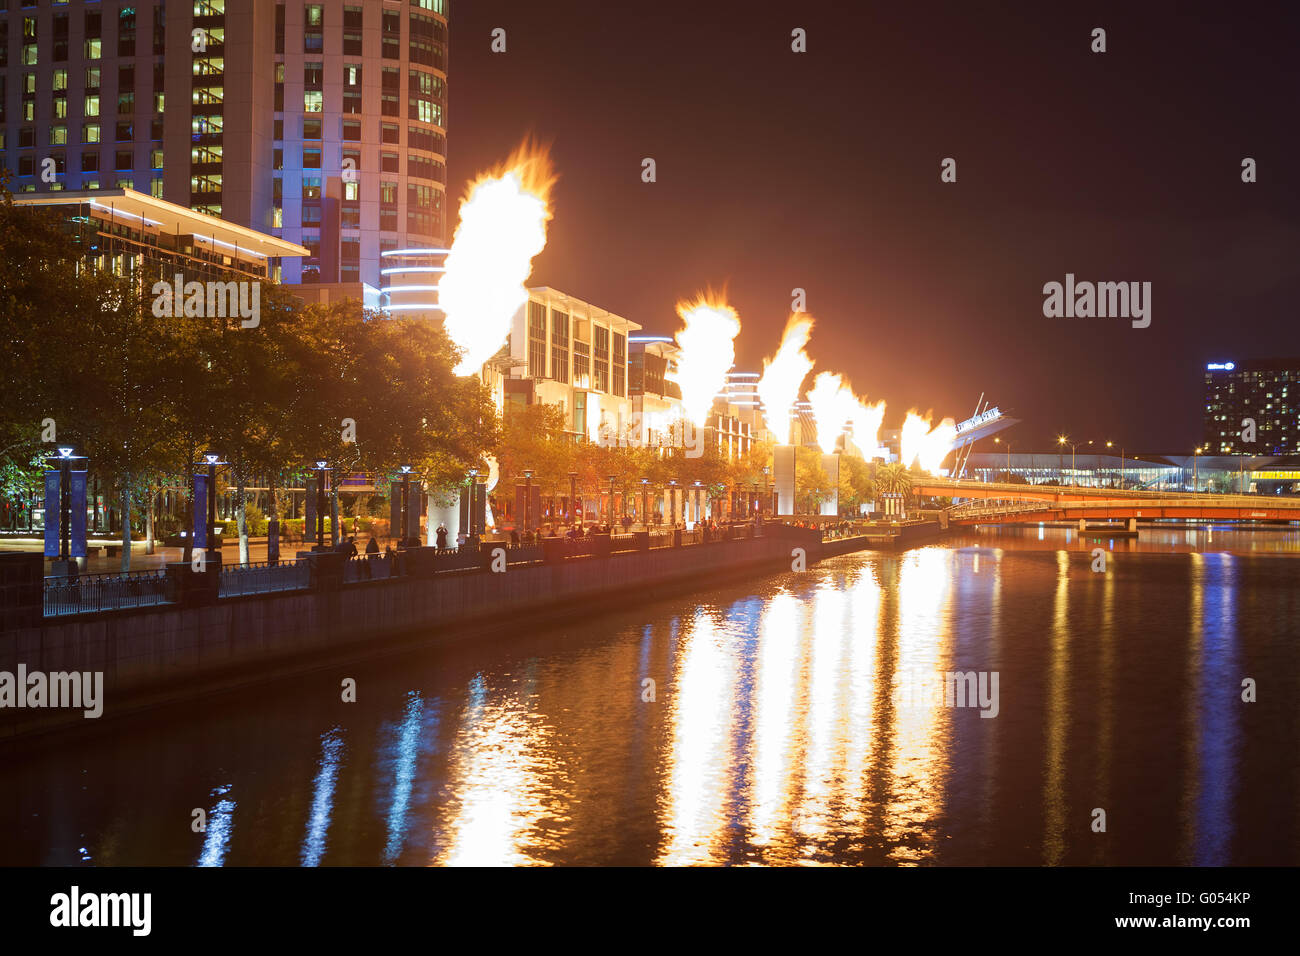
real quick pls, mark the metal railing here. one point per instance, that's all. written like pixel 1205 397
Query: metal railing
pixel 262 576
pixel 369 567
pixel 88 593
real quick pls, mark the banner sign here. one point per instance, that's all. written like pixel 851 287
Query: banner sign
pixel 200 517
pixel 77 494
pixel 52 514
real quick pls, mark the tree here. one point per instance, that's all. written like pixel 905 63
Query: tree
pixel 894 478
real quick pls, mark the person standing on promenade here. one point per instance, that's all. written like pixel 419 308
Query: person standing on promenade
pixel 442 537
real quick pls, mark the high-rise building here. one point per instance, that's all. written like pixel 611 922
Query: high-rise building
pixel 320 123
pixel 1263 393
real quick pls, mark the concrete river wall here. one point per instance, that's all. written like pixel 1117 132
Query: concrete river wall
pixel 174 651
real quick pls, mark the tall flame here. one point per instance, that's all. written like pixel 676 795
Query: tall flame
pixel 867 420
pixel 708 351
pixel 502 227
pixel 778 389
pixel 833 405
pixel 925 445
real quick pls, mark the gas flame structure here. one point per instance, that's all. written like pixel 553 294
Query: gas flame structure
pixel 783 374
pixel 833 405
pixel 925 445
pixel 502 227
pixel 708 350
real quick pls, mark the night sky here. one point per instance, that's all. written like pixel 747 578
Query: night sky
pixel 821 170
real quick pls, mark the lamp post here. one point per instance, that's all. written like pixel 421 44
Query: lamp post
pixel 64 460
pixel 322 468
pixel 1196 482
pixel 763 505
pixel 404 515
pixel 469 509
pixel 1074 445
pixel 528 499
pixel 212 460
pixel 672 502
pixel 610 522
pixel 645 503
pixel 573 496
pixel 998 441
pixel 699 500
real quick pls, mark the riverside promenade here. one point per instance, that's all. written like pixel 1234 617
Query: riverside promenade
pixel 168 635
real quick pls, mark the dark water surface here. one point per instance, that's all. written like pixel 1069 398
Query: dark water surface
pixel 786 727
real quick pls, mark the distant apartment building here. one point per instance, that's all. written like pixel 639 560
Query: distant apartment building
pixel 320 123
pixel 1264 392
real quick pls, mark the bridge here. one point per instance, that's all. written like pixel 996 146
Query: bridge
pixel 998 503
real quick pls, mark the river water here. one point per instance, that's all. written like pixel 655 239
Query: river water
pixel 799 718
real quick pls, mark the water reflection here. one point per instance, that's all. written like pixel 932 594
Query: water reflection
pixel 1214 685
pixel 779 729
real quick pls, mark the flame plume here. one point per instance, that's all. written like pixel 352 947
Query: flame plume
pixel 502 227
pixel 925 445
pixel 708 351
pixel 833 405
pixel 778 389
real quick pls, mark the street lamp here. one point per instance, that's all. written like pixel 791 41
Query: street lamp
pixel 528 498
pixel 612 479
pixel 64 461
pixel 573 495
pixel 767 492
pixel 469 502
pixel 1073 448
pixel 699 500
pixel 672 502
pixel 1196 483
pixel 404 514
pixel 998 441
pixel 645 503
pixel 212 460
pixel 322 468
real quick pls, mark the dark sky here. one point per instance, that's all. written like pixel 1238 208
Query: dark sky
pixel 821 170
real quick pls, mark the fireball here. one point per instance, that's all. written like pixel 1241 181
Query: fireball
pixel 708 351
pixel 502 228
pixel 925 445
pixel 783 374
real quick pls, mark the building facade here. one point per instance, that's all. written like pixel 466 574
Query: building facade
pixel 320 123
pixel 567 352
pixel 1263 393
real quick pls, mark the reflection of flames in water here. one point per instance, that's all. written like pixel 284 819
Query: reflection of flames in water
pixel 707 352
pixel 925 445
pixel 783 374
pixel 502 227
